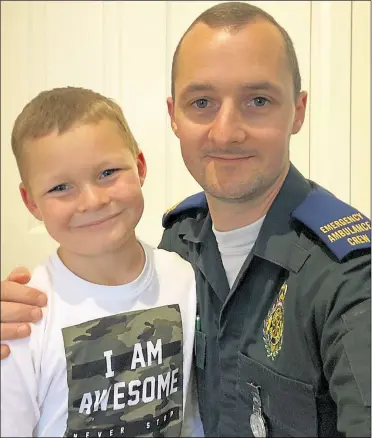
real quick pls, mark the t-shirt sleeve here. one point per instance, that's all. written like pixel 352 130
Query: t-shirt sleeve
pixel 192 425
pixel 19 406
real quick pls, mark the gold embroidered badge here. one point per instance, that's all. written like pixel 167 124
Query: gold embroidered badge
pixel 274 325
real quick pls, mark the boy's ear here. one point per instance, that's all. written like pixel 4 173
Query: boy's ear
pixel 142 167
pixel 170 105
pixel 29 202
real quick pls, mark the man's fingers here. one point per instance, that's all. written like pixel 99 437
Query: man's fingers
pixel 19 275
pixel 10 331
pixel 19 293
pixel 13 330
pixel 5 351
pixel 15 312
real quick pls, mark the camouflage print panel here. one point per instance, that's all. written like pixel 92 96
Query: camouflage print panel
pixel 125 374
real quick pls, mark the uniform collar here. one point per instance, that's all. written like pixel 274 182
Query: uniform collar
pixel 277 237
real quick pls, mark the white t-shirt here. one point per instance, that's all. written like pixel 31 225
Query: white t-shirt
pixel 235 245
pixel 105 360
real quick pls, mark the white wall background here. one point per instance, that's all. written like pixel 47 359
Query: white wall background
pixel 124 50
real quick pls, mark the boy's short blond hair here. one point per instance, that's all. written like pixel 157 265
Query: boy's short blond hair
pixel 62 108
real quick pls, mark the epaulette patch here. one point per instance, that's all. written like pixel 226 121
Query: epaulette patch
pixel 194 201
pixel 340 226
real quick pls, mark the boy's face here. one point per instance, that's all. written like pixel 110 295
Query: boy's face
pixel 85 185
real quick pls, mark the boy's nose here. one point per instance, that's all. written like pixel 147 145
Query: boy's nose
pixel 92 198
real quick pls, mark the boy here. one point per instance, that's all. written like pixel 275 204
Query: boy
pixel 112 355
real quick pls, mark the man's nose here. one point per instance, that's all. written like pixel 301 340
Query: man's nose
pixel 228 126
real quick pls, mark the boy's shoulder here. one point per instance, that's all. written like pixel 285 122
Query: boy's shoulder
pixel 169 257
pixel 41 277
pixel 171 264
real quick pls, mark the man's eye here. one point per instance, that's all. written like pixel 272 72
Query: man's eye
pixel 108 172
pixel 59 188
pixel 258 101
pixel 201 103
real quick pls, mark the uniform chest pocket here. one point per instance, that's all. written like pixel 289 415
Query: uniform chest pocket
pixel 288 406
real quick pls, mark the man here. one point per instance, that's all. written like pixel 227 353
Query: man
pixel 282 266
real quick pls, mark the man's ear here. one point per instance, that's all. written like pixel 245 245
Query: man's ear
pixel 142 167
pixel 170 105
pixel 300 112
pixel 29 202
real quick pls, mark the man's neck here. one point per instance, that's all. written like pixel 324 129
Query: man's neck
pixel 113 268
pixel 228 216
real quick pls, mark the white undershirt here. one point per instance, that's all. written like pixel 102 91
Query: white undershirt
pixel 235 245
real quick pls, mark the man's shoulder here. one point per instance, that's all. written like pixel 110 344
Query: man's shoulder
pixel 335 226
pixel 184 217
pixel 188 208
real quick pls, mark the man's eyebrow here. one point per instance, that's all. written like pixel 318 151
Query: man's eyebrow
pixel 261 85
pixel 197 87
pixel 194 87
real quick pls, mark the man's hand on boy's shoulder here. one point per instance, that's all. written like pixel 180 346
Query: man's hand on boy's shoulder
pixel 20 305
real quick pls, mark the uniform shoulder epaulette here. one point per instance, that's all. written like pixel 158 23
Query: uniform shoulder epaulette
pixel 340 226
pixel 197 201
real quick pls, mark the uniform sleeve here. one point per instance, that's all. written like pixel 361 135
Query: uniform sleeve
pixel 19 407
pixel 345 343
pixel 166 242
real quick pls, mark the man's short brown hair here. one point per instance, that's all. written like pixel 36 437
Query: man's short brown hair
pixel 59 110
pixel 233 16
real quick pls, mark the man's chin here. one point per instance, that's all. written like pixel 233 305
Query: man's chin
pixel 234 193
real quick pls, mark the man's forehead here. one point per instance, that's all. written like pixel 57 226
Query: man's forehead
pixel 204 46
pixel 257 34
pixel 251 58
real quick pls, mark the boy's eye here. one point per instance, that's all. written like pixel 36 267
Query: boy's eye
pixel 59 188
pixel 108 172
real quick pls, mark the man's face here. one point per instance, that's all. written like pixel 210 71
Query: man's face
pixel 234 109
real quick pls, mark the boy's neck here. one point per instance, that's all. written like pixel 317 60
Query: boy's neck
pixel 118 267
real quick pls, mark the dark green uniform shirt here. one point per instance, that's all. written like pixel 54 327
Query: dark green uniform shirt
pixel 293 335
